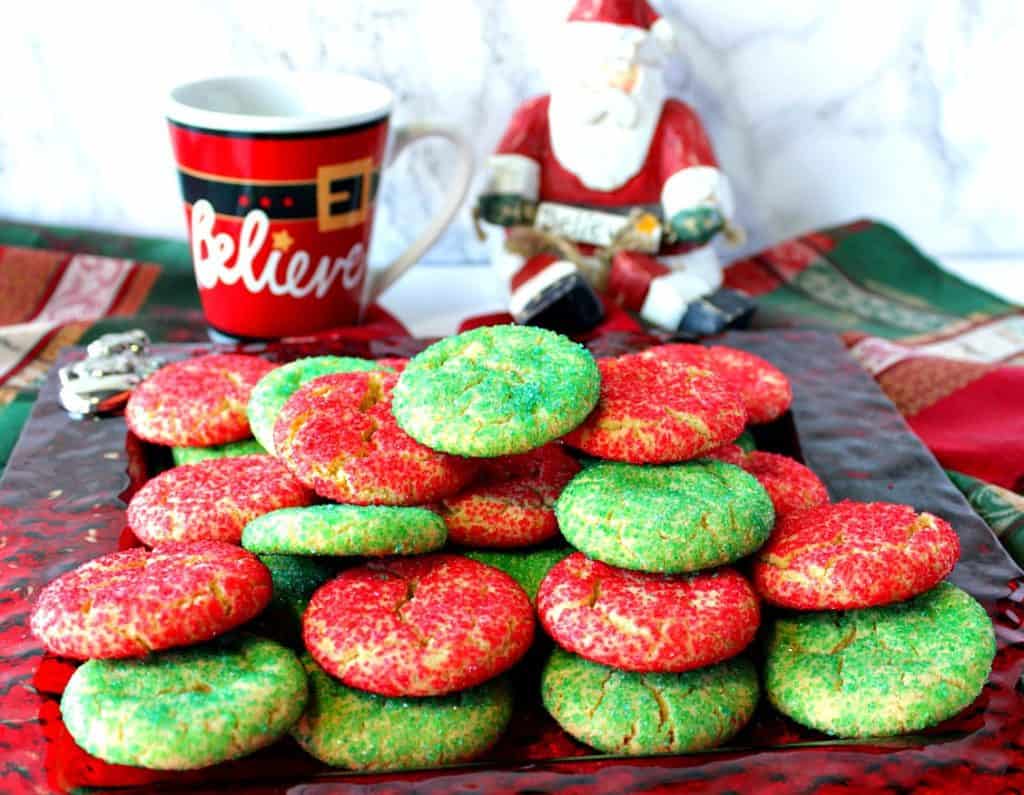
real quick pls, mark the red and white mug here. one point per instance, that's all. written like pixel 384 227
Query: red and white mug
pixel 279 175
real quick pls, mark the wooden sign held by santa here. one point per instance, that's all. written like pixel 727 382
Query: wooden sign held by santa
pixel 608 184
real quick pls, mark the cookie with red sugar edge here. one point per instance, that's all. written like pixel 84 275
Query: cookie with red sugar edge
pixel 854 554
pixel 198 402
pixel 511 502
pixel 651 623
pixel 421 626
pixel 790 484
pixel 652 411
pixel 137 601
pixel 337 435
pixel 212 500
pixel 765 390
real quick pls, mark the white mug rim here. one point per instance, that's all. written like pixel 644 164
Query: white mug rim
pixel 377 105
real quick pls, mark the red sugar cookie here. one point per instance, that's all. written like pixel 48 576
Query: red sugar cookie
pixel 337 434
pixel 395 364
pixel 130 603
pixel 420 626
pixel 765 390
pixel 645 622
pixel 854 554
pixel 791 485
pixel 198 402
pixel 653 411
pixel 212 500
pixel 511 501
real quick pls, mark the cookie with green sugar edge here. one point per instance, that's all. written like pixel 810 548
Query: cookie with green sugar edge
pixel 350 728
pixel 621 712
pixel 745 441
pixel 370 530
pixel 190 455
pixel 671 519
pixel 496 390
pixel 295 578
pixel 527 567
pixel 881 671
pixel 273 390
pixel 186 709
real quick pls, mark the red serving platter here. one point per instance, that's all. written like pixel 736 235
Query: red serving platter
pixel 62 502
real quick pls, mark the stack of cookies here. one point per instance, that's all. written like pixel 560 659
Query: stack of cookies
pixel 387 532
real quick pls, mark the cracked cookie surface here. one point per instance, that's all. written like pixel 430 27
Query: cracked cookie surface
pixel 883 670
pixel 212 500
pixel 133 602
pixel 350 728
pixel 654 412
pixel 511 501
pixel 670 519
pixel 422 626
pixel 372 530
pixel 854 554
pixel 498 390
pixel 764 388
pixel 186 709
pixel 637 621
pixel 197 402
pixel 338 436
pixel 273 390
pixel 791 485
pixel 622 712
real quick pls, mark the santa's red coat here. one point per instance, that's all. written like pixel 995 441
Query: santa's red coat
pixel 678 142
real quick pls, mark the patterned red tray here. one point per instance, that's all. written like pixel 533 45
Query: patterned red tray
pixel 62 502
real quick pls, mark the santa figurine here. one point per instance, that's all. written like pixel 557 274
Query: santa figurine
pixel 609 186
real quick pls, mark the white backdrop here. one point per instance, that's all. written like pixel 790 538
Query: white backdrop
pixel 821 110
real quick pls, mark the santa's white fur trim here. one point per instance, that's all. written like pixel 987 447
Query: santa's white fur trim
pixel 665 33
pixel 532 287
pixel 517 175
pixel 694 186
pixel 702 262
pixel 670 295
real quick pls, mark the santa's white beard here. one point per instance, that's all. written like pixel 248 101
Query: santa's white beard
pixel 602 135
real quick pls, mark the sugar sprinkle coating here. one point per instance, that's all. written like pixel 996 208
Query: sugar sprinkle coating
pixel 133 602
pixel 511 501
pixel 528 567
pixel 883 670
pixel 654 412
pixel 623 712
pixel 337 434
pixel 274 389
pixel 765 390
pixel 193 455
pixel 422 626
pixel 669 519
pixel 346 530
pixel 186 709
pixel 197 402
pixel 496 390
pixel 854 554
pixel 791 485
pixel 212 500
pixel 295 579
pixel 636 621
pixel 349 728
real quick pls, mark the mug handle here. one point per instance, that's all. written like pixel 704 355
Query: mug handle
pixel 380 281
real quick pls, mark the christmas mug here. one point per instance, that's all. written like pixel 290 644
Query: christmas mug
pixel 279 176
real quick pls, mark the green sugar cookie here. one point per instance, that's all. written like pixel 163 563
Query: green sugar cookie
pixel 190 455
pixel 295 578
pixel 745 441
pixel 526 567
pixel 620 712
pixel 187 709
pixel 351 728
pixel 346 530
pixel 672 519
pixel 496 391
pixel 273 390
pixel 883 670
